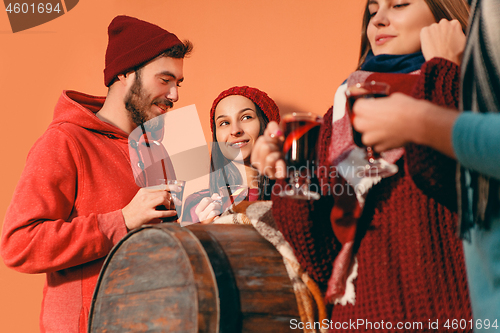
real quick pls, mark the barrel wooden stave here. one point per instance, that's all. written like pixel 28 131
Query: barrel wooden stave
pixel 205 282
pixel 138 254
pixel 266 324
pixel 149 311
pixel 148 285
pixel 262 281
pixel 215 278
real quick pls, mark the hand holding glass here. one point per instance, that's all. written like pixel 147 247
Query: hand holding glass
pixel 375 166
pixel 176 189
pixel 232 195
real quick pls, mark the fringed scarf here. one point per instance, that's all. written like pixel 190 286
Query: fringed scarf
pixel 480 87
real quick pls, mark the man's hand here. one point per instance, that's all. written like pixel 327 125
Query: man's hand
pixel 142 208
pixel 267 154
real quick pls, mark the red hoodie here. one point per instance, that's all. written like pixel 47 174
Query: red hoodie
pixel 65 215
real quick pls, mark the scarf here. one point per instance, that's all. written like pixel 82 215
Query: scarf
pixel 480 86
pixel 347 209
pixel 393 63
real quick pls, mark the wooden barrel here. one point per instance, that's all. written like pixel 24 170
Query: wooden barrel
pixel 201 278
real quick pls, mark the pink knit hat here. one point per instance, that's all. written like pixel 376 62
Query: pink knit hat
pixel 133 42
pixel 260 98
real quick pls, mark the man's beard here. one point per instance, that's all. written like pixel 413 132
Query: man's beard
pixel 138 102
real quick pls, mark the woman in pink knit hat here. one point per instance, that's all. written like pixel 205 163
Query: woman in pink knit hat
pixel 239 115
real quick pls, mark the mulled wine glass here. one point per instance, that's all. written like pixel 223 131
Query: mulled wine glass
pixel 176 189
pixel 301 132
pixel 232 195
pixel 376 166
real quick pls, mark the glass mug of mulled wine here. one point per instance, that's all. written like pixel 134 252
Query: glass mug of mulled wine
pixel 375 165
pixel 176 189
pixel 301 131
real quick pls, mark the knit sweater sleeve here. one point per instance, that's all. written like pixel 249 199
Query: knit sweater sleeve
pixel 42 231
pixel 306 224
pixel 475 142
pixel 433 172
pixel 190 204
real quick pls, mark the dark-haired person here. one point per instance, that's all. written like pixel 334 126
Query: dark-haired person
pixel 239 115
pixel 77 196
pixel 471 137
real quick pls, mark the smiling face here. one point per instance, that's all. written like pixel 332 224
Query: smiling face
pixel 395 25
pixel 237 126
pixel 154 89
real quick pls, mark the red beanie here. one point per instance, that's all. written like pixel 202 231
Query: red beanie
pixel 133 42
pixel 260 98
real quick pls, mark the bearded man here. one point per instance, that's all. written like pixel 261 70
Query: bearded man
pixel 77 196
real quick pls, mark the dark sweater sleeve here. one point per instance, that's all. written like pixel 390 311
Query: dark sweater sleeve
pixel 306 224
pixel 475 142
pixel 191 202
pixel 433 172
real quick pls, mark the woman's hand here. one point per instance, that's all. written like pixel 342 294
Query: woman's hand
pixel 267 154
pixel 209 209
pixel 394 121
pixel 443 40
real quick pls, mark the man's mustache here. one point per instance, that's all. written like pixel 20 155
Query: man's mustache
pixel 165 101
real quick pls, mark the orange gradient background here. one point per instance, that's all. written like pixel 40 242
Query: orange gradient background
pixel 297 51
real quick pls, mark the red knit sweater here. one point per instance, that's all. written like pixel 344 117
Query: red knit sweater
pixel 411 265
